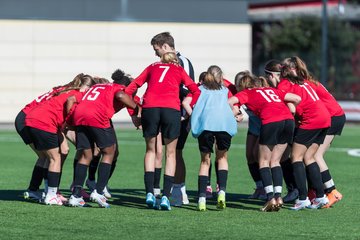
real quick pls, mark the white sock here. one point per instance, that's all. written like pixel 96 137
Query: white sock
pixel 221 192
pixel 52 191
pixel 183 190
pixel 202 199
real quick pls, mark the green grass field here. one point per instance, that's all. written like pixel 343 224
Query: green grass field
pixel 128 217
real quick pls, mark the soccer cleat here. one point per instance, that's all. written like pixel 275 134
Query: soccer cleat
pixel 319 202
pixel 291 196
pixel 202 204
pixel 259 193
pixel 269 206
pixel 157 192
pixel 62 198
pixel 334 196
pixel 165 203
pixel 34 195
pixel 76 202
pixel 311 194
pixel 150 200
pixel 301 204
pixel 53 200
pixel 99 199
pixel 91 185
pixel 279 204
pixel 107 193
pixel 221 203
pixel 209 192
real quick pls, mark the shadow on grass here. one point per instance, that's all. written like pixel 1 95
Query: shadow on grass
pixel 135 198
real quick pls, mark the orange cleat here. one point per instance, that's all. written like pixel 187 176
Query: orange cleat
pixel 334 196
pixel 269 206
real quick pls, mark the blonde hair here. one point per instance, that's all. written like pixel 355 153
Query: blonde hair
pixel 213 78
pixel 169 57
pixel 79 81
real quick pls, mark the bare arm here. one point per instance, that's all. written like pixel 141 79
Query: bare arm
pixel 186 104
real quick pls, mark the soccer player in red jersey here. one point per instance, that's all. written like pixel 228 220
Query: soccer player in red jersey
pixel 92 118
pixel 313 120
pixel 276 132
pixel 338 120
pixel 41 166
pixel 161 110
pixel 272 71
pixel 163 43
pixel 45 123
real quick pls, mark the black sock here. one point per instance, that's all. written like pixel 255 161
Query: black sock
pixel 74 168
pixel 222 179
pixel 277 176
pixel 209 175
pixel 202 183
pixel 53 179
pixel 288 175
pixel 80 175
pixel 157 177
pixel 168 184
pixel 36 178
pixel 103 177
pixel 113 166
pixel 45 173
pixel 217 172
pixel 93 167
pixel 265 175
pixel 254 171
pixel 300 179
pixel 149 182
pixel 315 179
pixel 327 181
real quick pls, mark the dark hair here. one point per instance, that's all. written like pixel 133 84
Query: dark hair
pixel 120 77
pixel 162 38
pixel 299 65
pixel 201 77
pixel 272 66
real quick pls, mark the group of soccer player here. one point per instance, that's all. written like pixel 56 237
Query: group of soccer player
pixel 292 121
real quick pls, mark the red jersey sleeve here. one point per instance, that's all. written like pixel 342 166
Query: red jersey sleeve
pixel 138 82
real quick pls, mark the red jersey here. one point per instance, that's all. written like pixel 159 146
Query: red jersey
pixel 267 103
pixel 98 106
pixel 40 99
pixel 230 86
pixel 50 115
pixel 329 101
pixel 163 87
pixel 311 111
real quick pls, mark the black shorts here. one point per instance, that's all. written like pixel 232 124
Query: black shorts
pixel 21 129
pixel 308 137
pixel 44 140
pixel 184 132
pixel 207 139
pixel 165 119
pixel 277 132
pixel 86 136
pixel 337 125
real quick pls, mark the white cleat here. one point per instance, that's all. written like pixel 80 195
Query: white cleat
pixel 99 199
pixel 76 202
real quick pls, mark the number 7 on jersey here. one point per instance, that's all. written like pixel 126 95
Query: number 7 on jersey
pixel 166 68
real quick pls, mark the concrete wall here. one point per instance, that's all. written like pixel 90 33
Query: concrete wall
pixel 37 55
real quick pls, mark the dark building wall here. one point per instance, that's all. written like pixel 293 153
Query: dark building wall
pixel 207 11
